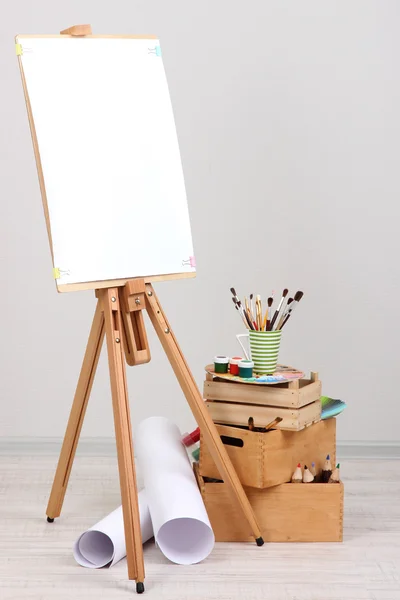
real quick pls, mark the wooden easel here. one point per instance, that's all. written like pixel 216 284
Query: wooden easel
pixel 119 317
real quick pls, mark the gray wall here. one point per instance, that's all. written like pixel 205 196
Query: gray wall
pixel 288 120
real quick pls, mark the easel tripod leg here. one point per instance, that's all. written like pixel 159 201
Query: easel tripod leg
pixel 76 417
pixel 199 410
pixel 123 434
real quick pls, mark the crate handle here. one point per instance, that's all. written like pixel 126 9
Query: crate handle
pixel 232 441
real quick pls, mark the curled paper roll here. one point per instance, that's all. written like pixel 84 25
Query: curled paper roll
pixel 104 544
pixel 181 526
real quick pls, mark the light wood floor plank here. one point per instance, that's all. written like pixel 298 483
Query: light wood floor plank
pixel 36 561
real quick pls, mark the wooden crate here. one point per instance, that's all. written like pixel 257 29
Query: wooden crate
pixel 294 394
pixel 291 512
pixel 228 413
pixel 263 460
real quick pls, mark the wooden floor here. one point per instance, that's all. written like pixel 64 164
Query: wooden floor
pixel 36 561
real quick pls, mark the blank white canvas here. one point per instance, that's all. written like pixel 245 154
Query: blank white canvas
pixel 110 157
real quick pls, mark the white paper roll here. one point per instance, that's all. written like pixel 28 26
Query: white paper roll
pixel 104 543
pixel 181 526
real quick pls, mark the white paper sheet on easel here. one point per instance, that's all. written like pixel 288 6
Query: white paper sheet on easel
pixel 110 157
pixel 180 522
pixel 104 544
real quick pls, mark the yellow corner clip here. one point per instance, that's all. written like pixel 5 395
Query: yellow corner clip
pixel 18 49
pixel 56 273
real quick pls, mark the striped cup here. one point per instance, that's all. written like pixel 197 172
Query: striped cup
pixel 264 350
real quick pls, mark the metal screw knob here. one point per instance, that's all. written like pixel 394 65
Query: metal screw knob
pixel 149 293
pixel 166 330
pixel 117 340
pixel 137 301
pixel 113 299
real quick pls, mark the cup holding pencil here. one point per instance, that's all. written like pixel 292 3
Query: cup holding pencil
pixel 263 350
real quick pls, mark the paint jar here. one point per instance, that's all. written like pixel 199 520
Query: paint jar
pixel 234 365
pixel 246 368
pixel 221 364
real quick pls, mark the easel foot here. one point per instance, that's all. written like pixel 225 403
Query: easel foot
pixel 260 541
pixel 50 520
pixel 139 587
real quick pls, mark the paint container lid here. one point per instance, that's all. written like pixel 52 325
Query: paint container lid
pixel 191 438
pixel 221 360
pixel 246 364
pixel 235 360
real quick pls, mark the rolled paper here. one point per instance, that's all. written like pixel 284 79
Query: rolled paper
pixel 297 476
pixel 308 477
pixel 103 545
pixel 335 477
pixel 181 526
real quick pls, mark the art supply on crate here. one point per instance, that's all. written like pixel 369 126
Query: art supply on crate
pixel 181 526
pixel 283 374
pixel 326 470
pixel 221 364
pixel 251 424
pixel 278 310
pixel 297 476
pixel 331 407
pixel 234 364
pixel 263 350
pixel 246 368
pixel 308 477
pixel 273 424
pixel 191 441
pixel 313 470
pixel 188 439
pixel 335 477
pixel 297 297
pixel 103 545
pixel 196 453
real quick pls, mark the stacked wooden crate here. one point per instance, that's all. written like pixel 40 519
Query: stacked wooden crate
pixel 265 461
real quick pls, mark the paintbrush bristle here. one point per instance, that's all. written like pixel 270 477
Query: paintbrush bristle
pixel 290 301
pixel 251 296
pixel 233 291
pixel 285 292
pixel 298 296
pixel 270 301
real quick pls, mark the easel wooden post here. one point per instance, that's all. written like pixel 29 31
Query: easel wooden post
pixel 116 308
pixel 118 317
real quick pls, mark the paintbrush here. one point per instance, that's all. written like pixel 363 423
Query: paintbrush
pixel 241 313
pixel 283 316
pixel 258 312
pixel 241 309
pixel 252 308
pixel 268 312
pixel 297 297
pixel 274 318
pixel 273 423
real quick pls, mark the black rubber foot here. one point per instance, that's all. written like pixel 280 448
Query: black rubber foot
pixel 50 520
pixel 259 541
pixel 139 587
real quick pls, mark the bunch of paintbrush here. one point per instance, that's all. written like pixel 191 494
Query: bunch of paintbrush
pixel 252 313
